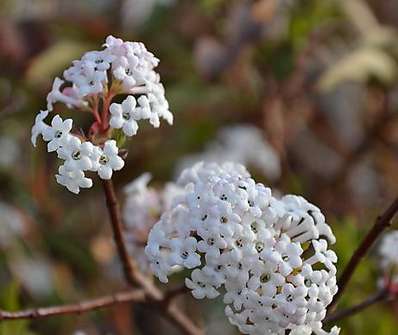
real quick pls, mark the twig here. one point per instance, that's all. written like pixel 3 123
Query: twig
pixel 135 277
pixel 382 222
pixel 374 299
pixel 116 221
pixel 78 308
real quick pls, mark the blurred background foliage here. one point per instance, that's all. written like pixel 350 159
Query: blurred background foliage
pixel 317 79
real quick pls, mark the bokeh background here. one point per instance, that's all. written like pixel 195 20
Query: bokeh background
pixel 305 93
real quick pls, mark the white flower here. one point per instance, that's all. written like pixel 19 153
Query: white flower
pixel 102 60
pixel 59 133
pixel 113 44
pixel 39 128
pixel 76 154
pixel 125 71
pixel 183 253
pixel 154 105
pixel 69 95
pixel 323 255
pixel 150 107
pixel 73 180
pixel 89 80
pixel 109 160
pixel 125 116
pixel 235 235
pixel 200 286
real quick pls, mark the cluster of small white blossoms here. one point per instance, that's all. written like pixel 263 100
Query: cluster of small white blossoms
pixel 142 209
pixel 121 68
pixel 269 257
pixel 389 256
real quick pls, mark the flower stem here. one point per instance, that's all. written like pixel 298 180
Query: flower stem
pixel 105 109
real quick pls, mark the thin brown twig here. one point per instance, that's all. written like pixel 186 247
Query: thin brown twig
pixel 382 222
pixel 131 273
pixel 77 308
pixel 380 296
pixel 135 277
pixel 117 229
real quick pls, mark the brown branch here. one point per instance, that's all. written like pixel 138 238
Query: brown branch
pixel 134 277
pixel 116 221
pixel 382 222
pixel 78 308
pixel 382 295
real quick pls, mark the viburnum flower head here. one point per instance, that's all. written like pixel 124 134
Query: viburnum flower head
pixel 268 257
pixel 122 69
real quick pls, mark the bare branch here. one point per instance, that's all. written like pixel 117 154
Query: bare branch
pixel 134 277
pixel 116 221
pixel 382 222
pixel 382 295
pixel 77 308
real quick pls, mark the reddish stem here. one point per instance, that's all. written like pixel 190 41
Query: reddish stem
pixel 105 110
pixel 94 110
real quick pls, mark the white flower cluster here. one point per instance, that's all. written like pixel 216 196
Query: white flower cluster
pixel 269 256
pixel 244 144
pixel 78 156
pixel 142 209
pixel 389 255
pixel 122 68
